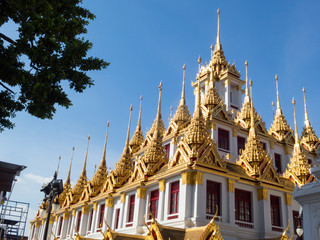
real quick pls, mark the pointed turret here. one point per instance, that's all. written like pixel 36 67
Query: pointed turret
pixel 243 117
pixel 124 166
pixel 102 172
pixel 67 184
pixel 155 152
pixel 309 138
pixel 279 128
pixel 298 168
pixel 137 137
pixel 82 181
pixel 197 131
pixel 158 120
pixel 182 114
pixel 253 158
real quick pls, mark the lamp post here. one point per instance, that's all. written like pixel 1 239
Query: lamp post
pixel 299 229
pixel 51 190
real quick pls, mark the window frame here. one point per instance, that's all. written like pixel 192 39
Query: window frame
pixel 131 203
pixel 239 198
pixel 275 207
pixel 277 162
pixel 174 197
pixel 117 218
pixel 90 218
pixel 223 139
pixel 102 208
pixel 238 145
pixel 154 203
pixel 213 188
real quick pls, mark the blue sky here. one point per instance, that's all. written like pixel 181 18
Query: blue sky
pixel 148 42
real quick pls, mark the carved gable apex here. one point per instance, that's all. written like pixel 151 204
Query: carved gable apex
pixel 181 155
pixel 270 174
pixel 210 156
pixel 85 196
pixel 67 202
pixel 138 173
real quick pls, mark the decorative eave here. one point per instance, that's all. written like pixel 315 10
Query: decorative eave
pixel 309 139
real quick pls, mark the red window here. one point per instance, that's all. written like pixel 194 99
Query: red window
pixel 310 162
pixel 241 143
pixel 167 148
pixel 90 220
pixel 243 205
pixel 213 197
pixel 101 216
pixel 60 225
pixel 264 146
pixel 223 139
pixel 154 202
pixel 277 162
pixel 117 218
pixel 131 208
pixel 174 197
pixel 275 210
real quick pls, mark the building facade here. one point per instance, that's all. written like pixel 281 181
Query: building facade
pixel 220 161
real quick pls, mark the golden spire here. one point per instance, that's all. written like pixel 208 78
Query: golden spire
pixel 218 44
pixel 68 181
pixel 82 181
pixel 137 137
pixel 298 168
pixel 199 61
pixel 170 112
pixel 154 152
pixel 247 97
pixel 182 114
pixel 124 165
pixel 272 108
pixel 158 120
pixel 102 172
pixel 309 138
pixel 252 132
pixel 211 48
pixel 279 111
pixel 306 117
pixel 279 127
pixel 67 184
pixel 197 131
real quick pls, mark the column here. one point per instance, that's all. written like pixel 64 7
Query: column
pixel 84 220
pixel 199 210
pixel 263 219
pixel 162 187
pixel 108 213
pixel 50 227
pixel 231 202
pixel 140 204
pixel 64 227
pixel 95 217
pixel 186 199
pixel 227 94
pixel 234 144
pixel 122 210
pixel 287 211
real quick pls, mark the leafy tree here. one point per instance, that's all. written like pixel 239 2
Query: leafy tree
pixel 49 51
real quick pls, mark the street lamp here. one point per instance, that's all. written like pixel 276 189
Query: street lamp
pixel 51 190
pixel 299 229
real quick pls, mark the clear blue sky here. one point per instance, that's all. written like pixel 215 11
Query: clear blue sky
pixel 148 42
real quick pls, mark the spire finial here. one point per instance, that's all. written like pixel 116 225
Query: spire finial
pixel 199 61
pixel 211 48
pixel 252 132
pixel 128 133
pixel 183 100
pixel 84 171
pixel 170 112
pixel 58 166
pixel 218 32
pixel 68 181
pixel 157 130
pixel 306 117
pixel 272 108
pixel 247 98
pixel 139 121
pixel 103 161
pixel 278 101
pixel 296 137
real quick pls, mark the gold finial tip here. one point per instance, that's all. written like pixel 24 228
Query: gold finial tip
pixel 272 103
pixel 276 77
pixel 171 107
pixel 218 11
pixel 184 67
pixel 73 148
pixel 246 63
pixel 108 124
pixel 303 90
pixel 160 86
pixel 199 60
pixel 131 107
pixel 250 82
pixel 141 97
pixel 211 47
pixel 88 137
pixel 293 101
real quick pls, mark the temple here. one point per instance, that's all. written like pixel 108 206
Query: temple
pixel 216 173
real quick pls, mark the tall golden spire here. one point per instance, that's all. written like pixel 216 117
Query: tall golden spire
pixel 279 128
pixel 68 181
pixel 154 152
pixel 82 181
pixel 158 120
pixel 124 165
pixel 67 184
pixel 253 158
pixel 199 61
pixel 101 174
pixel 137 137
pixel 218 44
pixel 309 138
pixel 182 114
pixel 247 97
pixel 298 168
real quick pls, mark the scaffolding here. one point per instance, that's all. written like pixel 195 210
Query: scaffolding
pixel 13 219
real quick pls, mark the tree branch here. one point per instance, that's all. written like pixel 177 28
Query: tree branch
pixel 7 38
pixel 6 87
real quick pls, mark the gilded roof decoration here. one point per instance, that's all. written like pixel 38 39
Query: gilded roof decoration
pixel 67 184
pixel 137 137
pixel 309 139
pixel 182 114
pixel 298 168
pixel 280 129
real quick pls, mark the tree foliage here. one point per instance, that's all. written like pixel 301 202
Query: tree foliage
pixel 50 50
